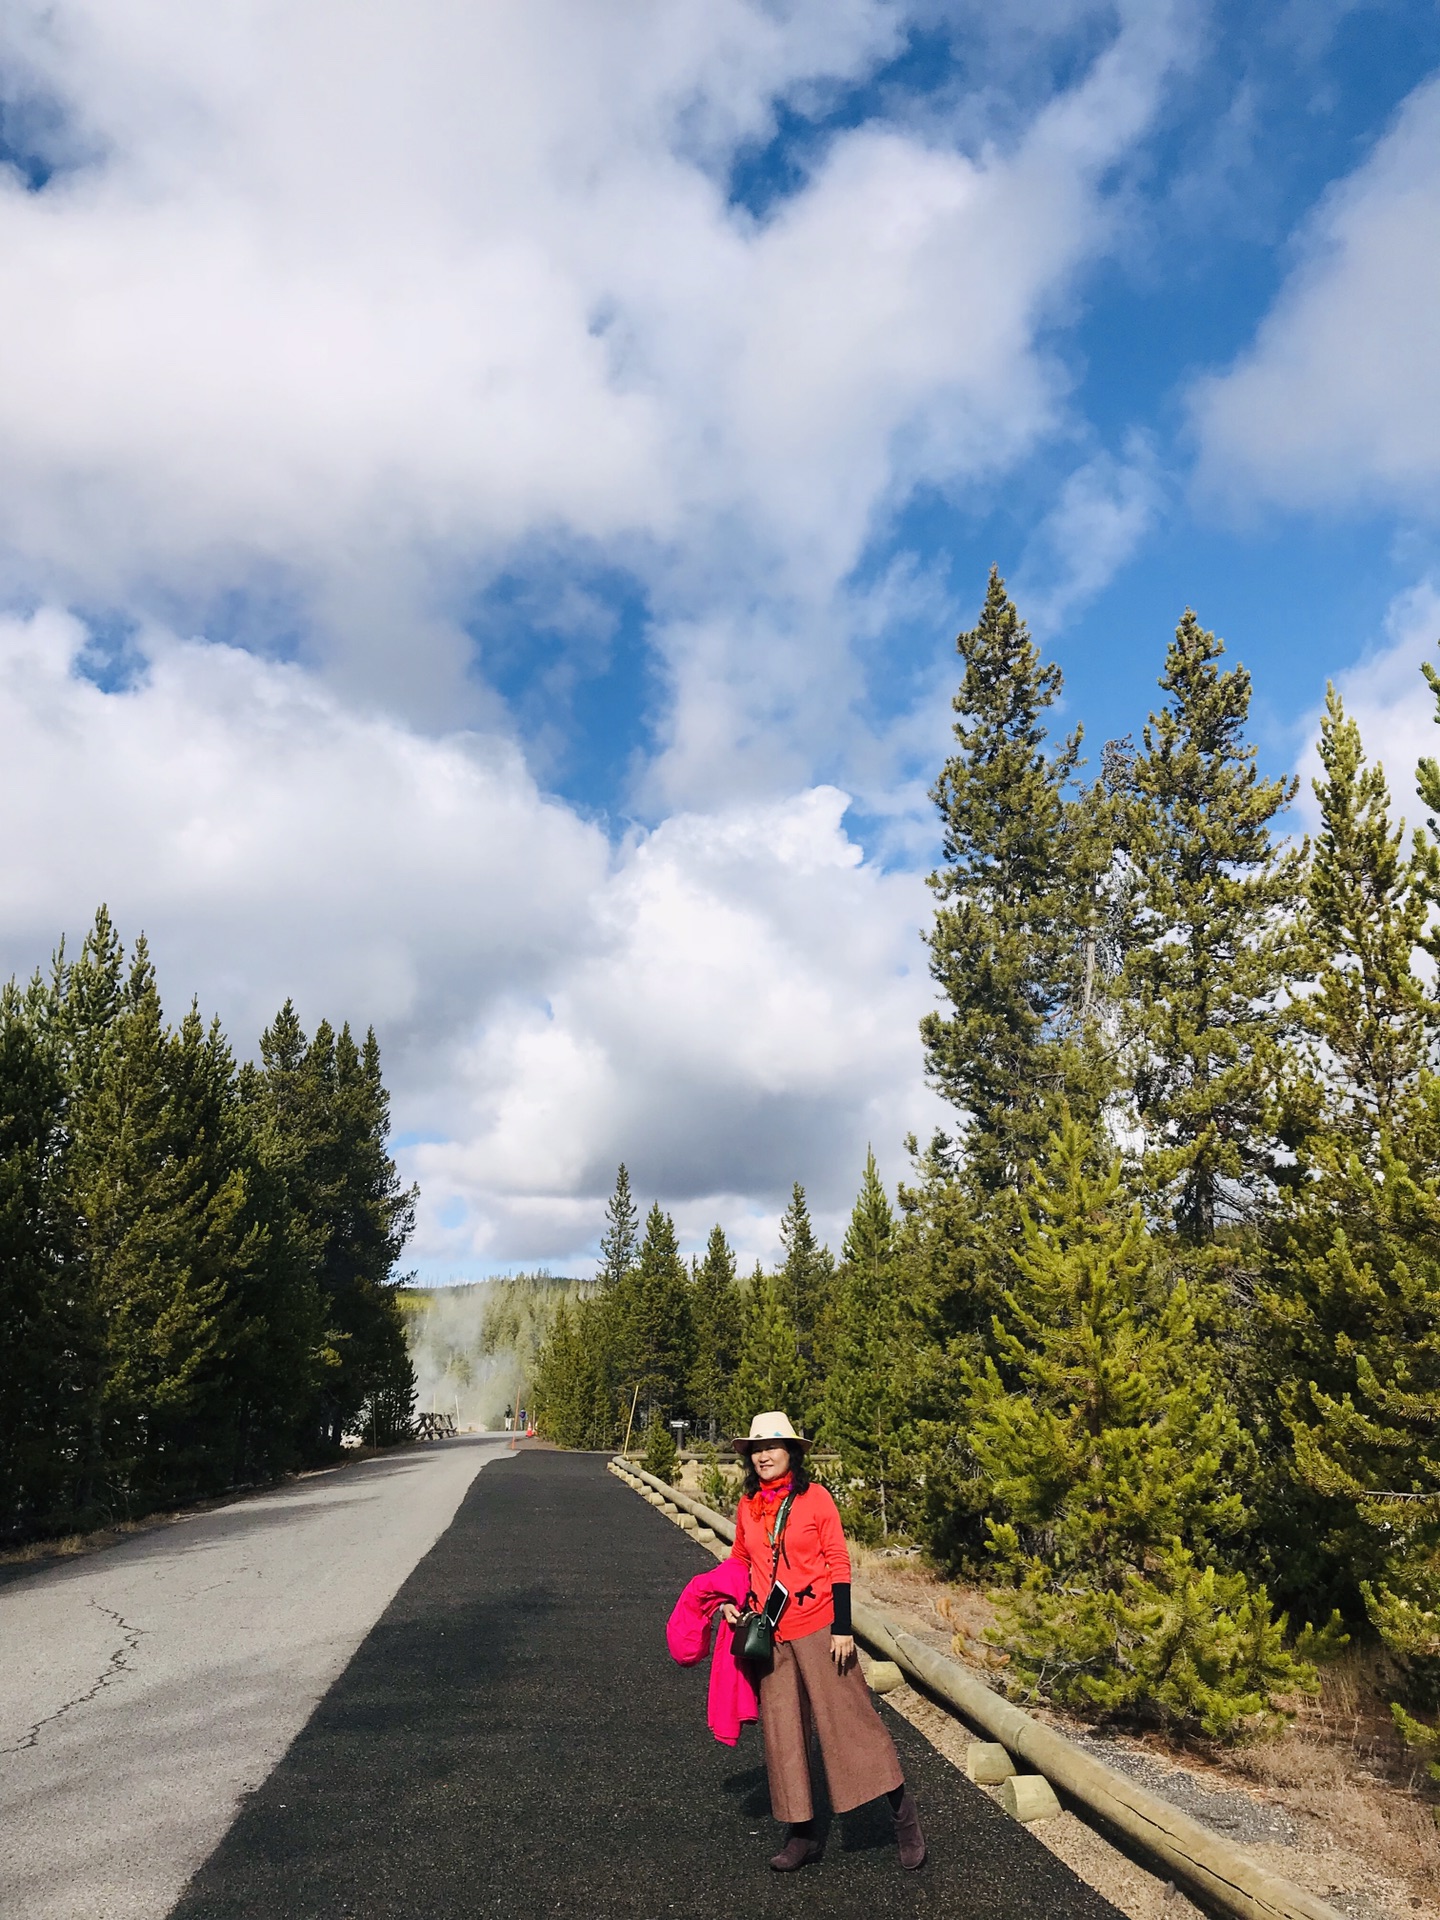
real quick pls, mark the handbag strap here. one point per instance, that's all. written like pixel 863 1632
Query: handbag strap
pixel 779 1534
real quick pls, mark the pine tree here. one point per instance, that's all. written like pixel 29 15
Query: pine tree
pixel 621 1237
pixel 806 1283
pixel 155 1214
pixel 164 1222
pixel 1427 785
pixel 771 1373
pixel 953 1244
pixel 276 1374
pixel 1351 1292
pixel 87 995
pixel 654 1339
pixel 322 1123
pixel 44 1361
pixel 661 1456
pixel 1112 1466
pixel 572 1389
pixel 873 1361
pixel 716 1311
pixel 1351 1296
pixel 1014 942
pixel 1364 922
pixel 560 1409
pixel 1205 978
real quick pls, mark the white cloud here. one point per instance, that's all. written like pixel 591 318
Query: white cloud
pixel 333 313
pixel 1105 509
pixel 745 1016
pixel 356 298
pixel 729 1002
pixel 1338 400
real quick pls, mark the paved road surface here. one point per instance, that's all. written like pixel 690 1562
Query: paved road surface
pixel 145 1689
pixel 511 1740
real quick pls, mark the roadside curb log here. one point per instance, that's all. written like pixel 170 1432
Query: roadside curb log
pixel 1212 1871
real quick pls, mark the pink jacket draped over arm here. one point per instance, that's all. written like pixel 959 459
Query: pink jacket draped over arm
pixel 732 1698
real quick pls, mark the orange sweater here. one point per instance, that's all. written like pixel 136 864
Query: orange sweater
pixel 812 1558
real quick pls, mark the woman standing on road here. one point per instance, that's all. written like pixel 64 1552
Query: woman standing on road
pixel 787 1529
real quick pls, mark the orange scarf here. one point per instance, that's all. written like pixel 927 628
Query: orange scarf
pixel 765 1505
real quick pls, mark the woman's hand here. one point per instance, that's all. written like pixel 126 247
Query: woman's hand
pixel 842 1650
pixel 729 1612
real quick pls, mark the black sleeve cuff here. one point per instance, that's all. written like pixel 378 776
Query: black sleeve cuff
pixel 840 1594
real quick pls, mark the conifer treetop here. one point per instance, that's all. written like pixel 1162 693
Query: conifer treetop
pixel 1214 906
pixel 1013 947
pixel 1367 907
pixel 621 1237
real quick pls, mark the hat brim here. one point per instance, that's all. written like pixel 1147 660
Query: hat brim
pixel 747 1445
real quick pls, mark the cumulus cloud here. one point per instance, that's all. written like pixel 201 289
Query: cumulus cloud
pixel 744 1015
pixel 341 303
pixel 1338 399
pixel 728 1002
pixel 319 323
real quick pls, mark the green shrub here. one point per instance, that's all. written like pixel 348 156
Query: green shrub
pixel 661 1456
pixel 719 1489
pixel 1179 1643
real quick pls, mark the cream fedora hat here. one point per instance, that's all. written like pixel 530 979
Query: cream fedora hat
pixel 770 1426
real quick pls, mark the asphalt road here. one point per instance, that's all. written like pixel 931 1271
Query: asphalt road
pixel 145 1689
pixel 512 1739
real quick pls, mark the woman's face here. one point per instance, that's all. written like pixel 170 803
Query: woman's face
pixel 770 1461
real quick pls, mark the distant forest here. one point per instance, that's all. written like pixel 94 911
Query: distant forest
pixel 1149 1341
pixel 197 1285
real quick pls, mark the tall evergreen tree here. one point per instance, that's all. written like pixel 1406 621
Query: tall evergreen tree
pixel 571 1394
pixel 1113 1468
pixel 1020 903
pixel 87 998
pixel 771 1373
pixel 1207 974
pixel 155 1225
pixel 1352 1284
pixel 716 1311
pixel 621 1237
pixel 1427 785
pixel 164 1225
pixel 1364 922
pixel 653 1331
pixel 872 1370
pixel 44 1358
pixel 1352 1294
pixel 806 1283
pixel 322 1123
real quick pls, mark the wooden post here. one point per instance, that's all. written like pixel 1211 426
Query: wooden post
pixel 631 1421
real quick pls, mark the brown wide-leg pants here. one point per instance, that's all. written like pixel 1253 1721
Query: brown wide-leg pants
pixel 804 1690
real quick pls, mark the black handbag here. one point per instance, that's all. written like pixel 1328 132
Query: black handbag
pixel 755 1630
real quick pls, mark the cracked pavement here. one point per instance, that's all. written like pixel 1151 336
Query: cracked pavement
pixel 118 1664
pixel 147 1688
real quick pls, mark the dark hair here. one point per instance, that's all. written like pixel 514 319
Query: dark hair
pixel 800 1479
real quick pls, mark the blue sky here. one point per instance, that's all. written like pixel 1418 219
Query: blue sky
pixel 481 539
pixel 1275 106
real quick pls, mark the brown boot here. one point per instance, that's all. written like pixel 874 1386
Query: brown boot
pixel 907 1832
pixel 798 1851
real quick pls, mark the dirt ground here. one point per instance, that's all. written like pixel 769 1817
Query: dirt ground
pixel 1334 1803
